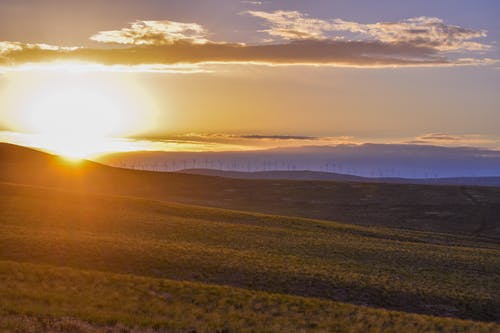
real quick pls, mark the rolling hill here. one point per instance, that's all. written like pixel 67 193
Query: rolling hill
pixel 86 247
pixel 331 176
pixel 456 209
pixel 173 267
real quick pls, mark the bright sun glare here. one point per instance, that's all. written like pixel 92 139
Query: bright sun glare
pixel 76 117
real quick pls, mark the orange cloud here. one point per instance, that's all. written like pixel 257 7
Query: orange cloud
pixel 335 53
pixel 293 25
pixel 421 31
pixel 150 44
pixel 154 33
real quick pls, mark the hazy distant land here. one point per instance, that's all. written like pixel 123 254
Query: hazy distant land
pixel 367 160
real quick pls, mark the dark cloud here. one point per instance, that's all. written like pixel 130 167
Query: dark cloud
pixel 452 140
pixel 439 136
pixel 342 53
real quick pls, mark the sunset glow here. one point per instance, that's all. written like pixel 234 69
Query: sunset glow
pixel 267 72
pixel 249 166
pixel 77 114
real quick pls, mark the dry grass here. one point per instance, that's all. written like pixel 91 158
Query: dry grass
pixel 150 241
pixel 39 298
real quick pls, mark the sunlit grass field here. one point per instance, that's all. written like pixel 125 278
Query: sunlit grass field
pixel 40 298
pixel 145 264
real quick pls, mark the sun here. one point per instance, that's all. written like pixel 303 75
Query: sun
pixel 74 119
pixel 76 115
pixel 75 112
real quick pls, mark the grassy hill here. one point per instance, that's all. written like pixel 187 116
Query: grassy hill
pixel 233 268
pixel 107 302
pixel 455 209
pixel 85 248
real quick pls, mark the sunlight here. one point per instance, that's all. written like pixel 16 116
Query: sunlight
pixel 76 114
pixel 72 147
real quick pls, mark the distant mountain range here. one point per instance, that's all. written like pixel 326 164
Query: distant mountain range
pixel 367 160
pixel 329 176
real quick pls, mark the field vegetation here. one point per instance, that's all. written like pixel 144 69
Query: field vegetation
pixel 411 271
pixel 40 298
pixel 89 253
pixel 448 209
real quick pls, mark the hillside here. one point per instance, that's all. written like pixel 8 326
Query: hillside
pixel 317 175
pixel 451 209
pixel 280 175
pixel 173 267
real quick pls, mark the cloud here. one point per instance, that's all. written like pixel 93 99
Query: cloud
pixel 439 137
pixel 15 53
pixel 151 45
pixel 429 32
pixel 278 137
pixel 306 52
pixel 420 31
pixel 255 141
pixel 293 25
pixel 9 47
pixel 154 33
pixel 453 140
pixel 256 3
pixel 96 67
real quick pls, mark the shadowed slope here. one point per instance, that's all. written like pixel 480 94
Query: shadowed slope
pixel 423 207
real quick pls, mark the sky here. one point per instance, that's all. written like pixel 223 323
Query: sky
pixel 244 75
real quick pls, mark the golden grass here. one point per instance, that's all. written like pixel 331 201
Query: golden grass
pixel 43 298
pixel 145 240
